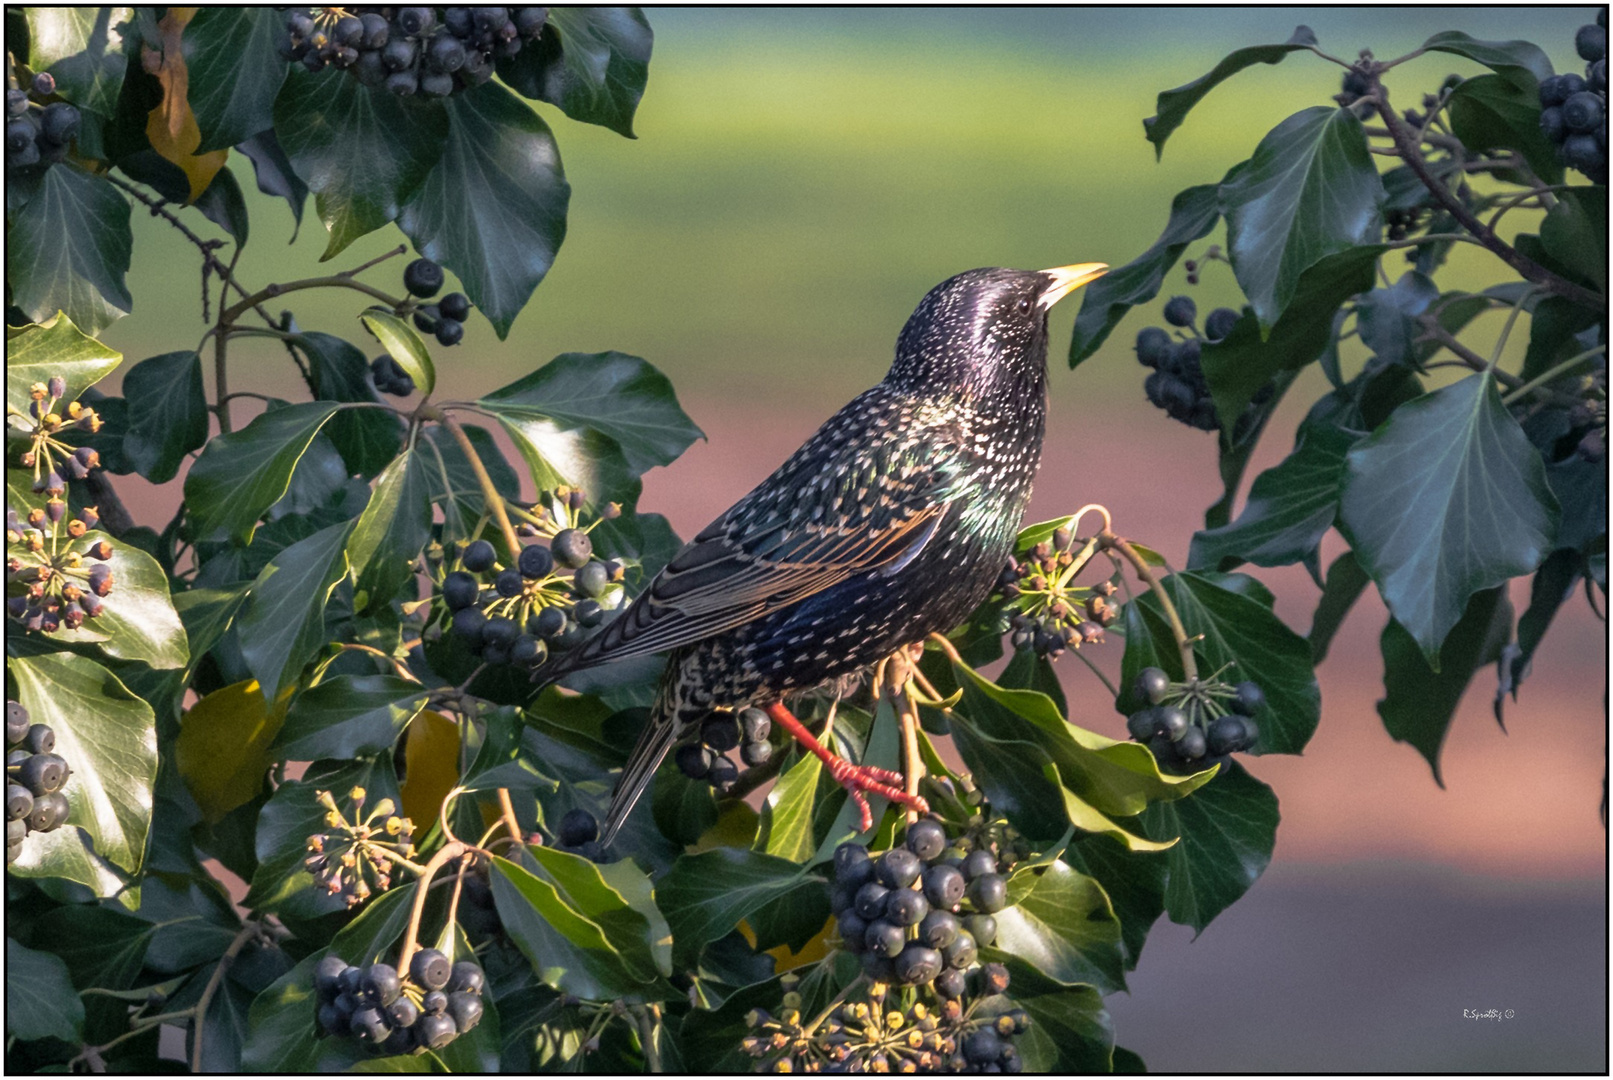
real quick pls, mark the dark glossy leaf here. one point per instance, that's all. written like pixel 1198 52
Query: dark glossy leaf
pixel 328 122
pixel 1418 700
pixel 1553 586
pixel 1134 883
pixel 1522 63
pixel 367 439
pixel 452 481
pixel 34 354
pixel 1490 112
pixel 1028 671
pixel 40 1000
pixel 225 206
pixel 1070 1032
pixel 349 716
pixel 102 946
pixel 493 210
pixel 137 621
pixel 1173 106
pixel 108 737
pixel 1237 366
pixel 1240 629
pixel 620 898
pixel 1228 829
pixel 241 474
pixel 1194 213
pixel 1309 191
pixel 706 895
pixel 1554 328
pixel 567 950
pixel 395 526
pixel 1575 232
pixel 1290 507
pixel 274 173
pixel 1580 487
pixel 1067 930
pixel 620 395
pixel 560 452
pixel 591 61
pixel 1346 581
pixel 284 623
pixel 83 48
pixel 403 345
pixel 69 249
pixel 234 72
pixel 1446 498
pixel 1387 318
pixel 167 413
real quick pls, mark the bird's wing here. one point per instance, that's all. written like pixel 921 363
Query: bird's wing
pixel 810 526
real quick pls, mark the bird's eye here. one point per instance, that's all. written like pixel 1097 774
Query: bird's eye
pixel 1023 306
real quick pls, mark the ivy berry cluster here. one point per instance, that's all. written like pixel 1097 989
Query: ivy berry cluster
pixel 918 914
pixel 35 130
pixel 1177 382
pixel 409 50
pixel 446 318
pixel 1193 725
pixel 1050 614
pixel 1573 110
pixel 34 779
pixel 706 758
pixel 63 584
pixel 518 614
pixel 47 455
pixel 388 1014
pixel 972 1033
pixel 355 858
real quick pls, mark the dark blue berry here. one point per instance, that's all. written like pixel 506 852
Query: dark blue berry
pixel 917 964
pixel 591 579
pixel 1219 323
pixel 1248 698
pixel 1180 311
pixel 456 305
pixel 430 969
pixel 572 548
pixel 577 827
pixel 478 556
pixel 897 868
pixel 943 886
pixel 694 760
pixel 449 331
pixel 422 277
pixel 460 590
pixel 1153 684
pixel 1591 43
pixel 988 893
pixel 926 839
pixel 1583 112
pixel 1153 346
pixel 534 561
pixel 1226 735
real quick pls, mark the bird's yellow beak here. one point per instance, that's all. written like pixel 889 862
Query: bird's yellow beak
pixel 1067 279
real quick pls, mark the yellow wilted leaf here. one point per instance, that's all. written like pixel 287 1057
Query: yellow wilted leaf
pixel 810 953
pixel 171 127
pixel 430 767
pixel 223 746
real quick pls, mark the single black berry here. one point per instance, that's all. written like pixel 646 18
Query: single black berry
pixel 460 590
pixel 939 929
pixel 852 864
pixel 434 1003
pixel 465 1009
pixel 884 937
pixel 577 827
pixel 1591 42
pixel 40 739
pixel 50 810
pixel 917 964
pixel 547 623
pixel 1141 724
pixel 369 1025
pixel 926 839
pixel 430 969
pixel 1582 152
pixel 870 903
pixel 993 979
pixel 1226 735
pixel 694 760
pixel 422 278
pixel 42 773
pixel 982 1047
pixel 44 84
pixel 572 548
pixel 897 868
pixel 534 561
pixel 1153 684
pixel 434 1030
pixel 328 977
pixel 981 927
pixel 449 331
pixel 950 984
pixel 905 907
pixel 352 979
pixel 1170 721
pixel 1219 323
pixel 756 727
pixel 1584 111
pixel 723 773
pixel 528 651
pixel 1552 125
pixel 1180 311
pixel 988 893
pixel 755 753
pixel 977 863
pixel 19 802
pixel 592 579
pixel 381 985
pixel 588 613
pixel 962 952
pixel 18 720
pixel 943 886
pixel 1153 346
pixel 853 930
pixel 501 632
pixel 1248 699
pixel 59 122
pixel 1191 746
pixel 404 1012
pixel 509 583
pixel 720 731
pixel 478 556
pixel 414 20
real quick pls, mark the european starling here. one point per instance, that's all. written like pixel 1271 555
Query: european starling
pixel 892 522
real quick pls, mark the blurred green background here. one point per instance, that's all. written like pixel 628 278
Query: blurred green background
pixel 801 178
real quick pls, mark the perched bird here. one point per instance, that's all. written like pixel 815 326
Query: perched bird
pixel 893 521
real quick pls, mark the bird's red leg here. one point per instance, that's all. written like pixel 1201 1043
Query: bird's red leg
pixel 856 779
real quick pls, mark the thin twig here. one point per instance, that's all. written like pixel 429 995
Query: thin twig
pixel 1184 645
pixel 199 1017
pixel 490 495
pixel 411 937
pixel 1556 372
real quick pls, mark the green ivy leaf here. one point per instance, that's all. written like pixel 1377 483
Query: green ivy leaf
pixel 1066 929
pixel 1552 587
pixel 109 738
pixel 243 473
pixel 1490 112
pixel 274 173
pixel 1346 581
pixel 36 353
pixel 367 439
pixel 138 621
pixel 40 1000
pixel 620 898
pixel 704 896
pixel 1172 106
pixel 284 623
pixel 1446 498
pixel 1242 362
pixel 1309 191
pixel 619 395
pixel 493 210
pixel 593 62
pixel 234 71
pixel 1290 507
pixel 1521 63
pixel 224 204
pixel 453 482
pixel 1228 830
pixel 69 249
pixel 349 716
pixel 1194 213
pixel 167 413
pixel 1134 883
pixel 101 946
pixel 560 452
pixel 1387 318
pixel 1575 233
pixel 83 48
pixel 568 950
pixel 392 530
pixel 1071 1031
pixel 1554 328
pixel 1419 700
pixel 329 122
pixel 399 339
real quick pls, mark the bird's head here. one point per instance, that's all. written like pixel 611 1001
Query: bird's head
pixel 984 330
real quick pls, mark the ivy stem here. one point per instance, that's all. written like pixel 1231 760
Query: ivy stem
pixel 1506 329
pixel 647 1037
pixel 1523 197
pixel 450 851
pixel 1184 645
pixel 1472 359
pixel 507 810
pixel 199 1017
pixel 334 281
pixel 1524 265
pixel 495 501
pixel 1548 376
pixel 840 998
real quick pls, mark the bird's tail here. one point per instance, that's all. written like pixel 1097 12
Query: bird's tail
pixel 653 743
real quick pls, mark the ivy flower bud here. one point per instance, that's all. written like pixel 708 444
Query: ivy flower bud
pixel 57 387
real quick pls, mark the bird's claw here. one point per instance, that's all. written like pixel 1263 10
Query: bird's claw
pixel 858 779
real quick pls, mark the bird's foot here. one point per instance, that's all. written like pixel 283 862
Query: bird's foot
pixel 856 779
